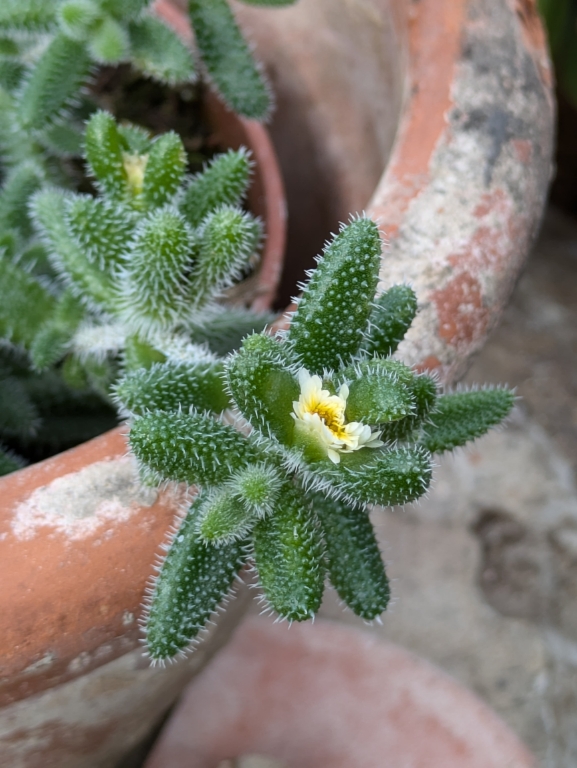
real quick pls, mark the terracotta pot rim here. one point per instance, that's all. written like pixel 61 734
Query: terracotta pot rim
pixel 327 695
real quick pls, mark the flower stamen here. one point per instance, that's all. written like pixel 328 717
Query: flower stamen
pixel 321 416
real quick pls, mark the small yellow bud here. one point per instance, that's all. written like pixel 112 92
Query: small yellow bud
pixel 135 166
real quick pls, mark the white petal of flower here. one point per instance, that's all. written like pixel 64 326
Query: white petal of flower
pixel 323 417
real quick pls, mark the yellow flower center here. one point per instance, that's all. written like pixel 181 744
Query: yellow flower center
pixel 320 416
pixel 135 166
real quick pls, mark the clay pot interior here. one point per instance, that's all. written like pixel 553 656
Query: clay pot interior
pixel 339 72
pixel 326 696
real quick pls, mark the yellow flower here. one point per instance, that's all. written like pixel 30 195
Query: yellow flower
pixel 135 166
pixel 321 416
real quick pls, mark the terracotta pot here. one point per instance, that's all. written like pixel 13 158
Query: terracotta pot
pixel 326 696
pixel 436 117
pixel 77 546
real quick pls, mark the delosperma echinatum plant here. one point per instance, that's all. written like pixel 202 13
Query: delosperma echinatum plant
pixel 131 275
pixel 290 442
pixel 143 261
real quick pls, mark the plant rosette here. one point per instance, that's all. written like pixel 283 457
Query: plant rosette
pixel 325 423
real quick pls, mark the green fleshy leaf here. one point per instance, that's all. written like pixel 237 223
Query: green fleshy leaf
pixel 11 72
pixel 227 58
pixel 464 416
pixel 17 188
pixel 49 346
pixel 189 448
pixel 24 304
pixel 380 476
pixel 104 152
pixel 54 83
pixel 102 229
pixel 229 237
pixel 156 285
pixel 173 386
pixel 288 554
pixel 223 182
pixel 27 15
pixel 333 312
pixel 88 282
pixel 424 391
pixel 127 9
pixel 390 319
pixel 135 138
pixel 263 388
pixel 354 561
pixel 138 353
pixel 158 52
pixel 164 170
pixel 53 339
pixel 258 487
pixel 63 140
pixel 224 518
pixel 232 510
pixel 109 42
pixel 378 398
pixel 77 17
pixel 194 579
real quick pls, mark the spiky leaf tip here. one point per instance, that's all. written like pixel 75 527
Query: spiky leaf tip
pixel 76 17
pixel 24 304
pixel 88 282
pixel 17 188
pixel 384 477
pixel 229 237
pixel 164 170
pixel 154 290
pixel 232 510
pixel 354 561
pixel 224 518
pixel 424 391
pixel 390 319
pixel 191 448
pixel 224 181
pixel 108 42
pixel 102 229
pixel 328 326
pixel 377 398
pixel 194 579
pixel 228 60
pixel 54 83
pixel 105 154
pixel 158 52
pixel 463 416
pixel 27 15
pixel 172 386
pixel 263 387
pixel 288 554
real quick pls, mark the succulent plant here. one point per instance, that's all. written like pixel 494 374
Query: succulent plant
pixel 141 263
pixel 289 442
pixel 128 277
